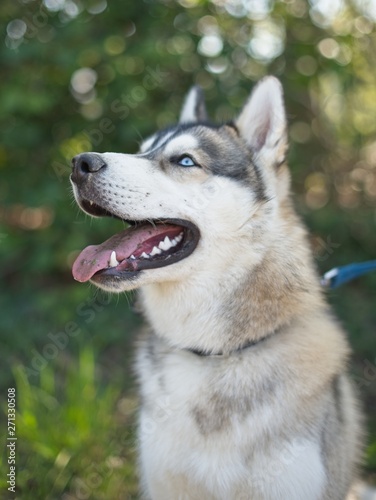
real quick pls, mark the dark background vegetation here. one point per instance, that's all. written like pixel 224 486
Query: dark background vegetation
pixel 82 75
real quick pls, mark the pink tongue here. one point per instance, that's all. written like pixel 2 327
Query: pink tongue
pixel 129 242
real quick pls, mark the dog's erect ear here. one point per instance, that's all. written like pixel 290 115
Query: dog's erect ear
pixel 262 121
pixel 194 106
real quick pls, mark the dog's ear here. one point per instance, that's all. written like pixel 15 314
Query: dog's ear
pixel 262 121
pixel 194 109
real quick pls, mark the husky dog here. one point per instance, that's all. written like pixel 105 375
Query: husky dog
pixel 244 392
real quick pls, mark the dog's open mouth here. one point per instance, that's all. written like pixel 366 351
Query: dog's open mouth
pixel 145 245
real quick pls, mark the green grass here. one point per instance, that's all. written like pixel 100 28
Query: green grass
pixel 75 439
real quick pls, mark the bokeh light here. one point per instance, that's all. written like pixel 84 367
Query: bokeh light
pixel 83 84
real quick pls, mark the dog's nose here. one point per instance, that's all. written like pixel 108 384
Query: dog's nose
pixel 85 164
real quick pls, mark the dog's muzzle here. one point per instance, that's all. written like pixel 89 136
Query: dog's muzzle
pixel 86 164
pixel 149 243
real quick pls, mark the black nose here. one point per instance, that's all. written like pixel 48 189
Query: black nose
pixel 85 164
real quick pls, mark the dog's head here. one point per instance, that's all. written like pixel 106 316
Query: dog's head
pixel 196 195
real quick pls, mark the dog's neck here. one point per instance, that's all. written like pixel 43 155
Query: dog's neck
pixel 223 354
pixel 220 311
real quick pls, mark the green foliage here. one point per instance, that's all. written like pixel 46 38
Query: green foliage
pixel 73 438
pixel 90 75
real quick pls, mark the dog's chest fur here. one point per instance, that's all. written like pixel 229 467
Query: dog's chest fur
pixel 221 428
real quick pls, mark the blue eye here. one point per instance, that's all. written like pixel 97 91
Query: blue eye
pixel 186 161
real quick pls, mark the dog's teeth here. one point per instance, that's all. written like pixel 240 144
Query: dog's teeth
pixel 113 260
pixel 155 251
pixel 132 257
pixel 91 203
pixel 161 245
pixel 145 255
pixel 165 244
pixel 177 239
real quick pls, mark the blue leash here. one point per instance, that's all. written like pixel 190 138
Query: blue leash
pixel 340 275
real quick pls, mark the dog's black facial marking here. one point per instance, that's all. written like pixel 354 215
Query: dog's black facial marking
pixel 169 133
pixel 161 137
pixel 234 161
pixel 224 157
